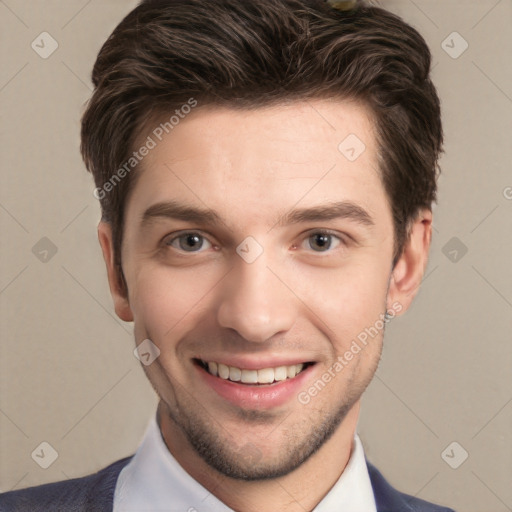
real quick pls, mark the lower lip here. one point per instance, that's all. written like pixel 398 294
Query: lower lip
pixel 264 396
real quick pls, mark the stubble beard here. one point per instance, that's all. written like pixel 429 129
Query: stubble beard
pixel 300 441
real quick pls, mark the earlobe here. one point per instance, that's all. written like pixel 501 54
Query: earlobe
pixel 408 272
pixel 115 278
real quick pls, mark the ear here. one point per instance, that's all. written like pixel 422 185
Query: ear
pixel 408 272
pixel 115 280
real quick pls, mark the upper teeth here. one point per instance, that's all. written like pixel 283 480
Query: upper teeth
pixel 263 376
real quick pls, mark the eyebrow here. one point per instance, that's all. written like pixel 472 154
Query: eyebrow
pixel 339 210
pixel 178 211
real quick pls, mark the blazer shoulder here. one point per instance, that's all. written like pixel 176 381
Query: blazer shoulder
pixel 388 499
pixel 94 492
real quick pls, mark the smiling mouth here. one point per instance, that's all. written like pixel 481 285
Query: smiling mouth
pixel 264 376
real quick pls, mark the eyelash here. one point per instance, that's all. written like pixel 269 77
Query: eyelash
pixel 326 232
pixel 308 235
pixel 184 234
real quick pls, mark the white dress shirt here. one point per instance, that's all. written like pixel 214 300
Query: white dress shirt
pixel 154 481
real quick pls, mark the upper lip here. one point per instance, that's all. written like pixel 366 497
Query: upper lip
pixel 246 363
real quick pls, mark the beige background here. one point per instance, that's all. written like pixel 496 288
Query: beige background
pixel 68 374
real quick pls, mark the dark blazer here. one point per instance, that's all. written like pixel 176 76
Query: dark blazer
pixel 95 493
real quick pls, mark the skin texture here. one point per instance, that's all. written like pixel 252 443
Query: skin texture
pixel 299 299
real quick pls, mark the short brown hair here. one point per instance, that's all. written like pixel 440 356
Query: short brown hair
pixel 250 54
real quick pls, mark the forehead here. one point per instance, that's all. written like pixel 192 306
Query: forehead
pixel 263 160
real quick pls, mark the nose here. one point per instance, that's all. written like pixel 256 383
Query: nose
pixel 255 302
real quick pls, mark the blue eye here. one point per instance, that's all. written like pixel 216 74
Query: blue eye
pixel 189 242
pixel 322 241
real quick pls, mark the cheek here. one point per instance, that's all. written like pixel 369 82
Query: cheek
pixel 165 301
pixel 345 301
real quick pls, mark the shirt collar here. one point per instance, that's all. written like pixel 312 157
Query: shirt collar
pixel 154 480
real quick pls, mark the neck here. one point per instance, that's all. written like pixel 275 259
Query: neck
pixel 298 491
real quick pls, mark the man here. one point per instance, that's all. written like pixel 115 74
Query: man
pixel 266 172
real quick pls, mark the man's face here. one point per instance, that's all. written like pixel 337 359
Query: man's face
pixel 286 260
